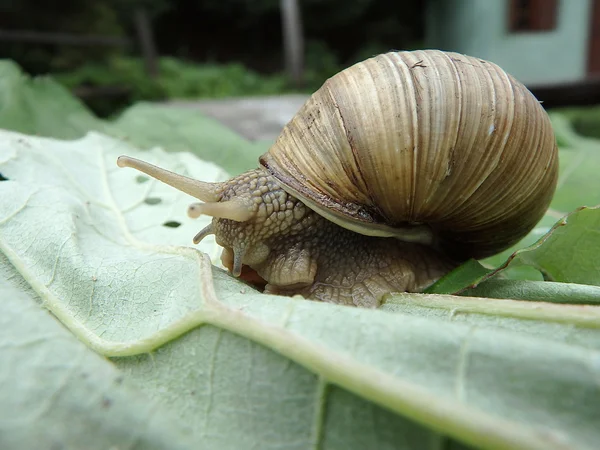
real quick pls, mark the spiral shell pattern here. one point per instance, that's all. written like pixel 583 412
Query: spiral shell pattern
pixel 423 138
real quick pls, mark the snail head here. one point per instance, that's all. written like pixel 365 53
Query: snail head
pixel 247 210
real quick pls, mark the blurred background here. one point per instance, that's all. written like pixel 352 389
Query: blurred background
pixel 113 53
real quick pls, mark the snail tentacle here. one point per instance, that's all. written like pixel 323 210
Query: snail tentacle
pixel 235 209
pixel 206 231
pixel 207 192
pixel 238 257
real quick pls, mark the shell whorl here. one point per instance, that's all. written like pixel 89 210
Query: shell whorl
pixel 423 137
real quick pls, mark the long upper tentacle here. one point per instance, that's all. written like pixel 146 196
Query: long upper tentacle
pixel 207 192
pixel 206 231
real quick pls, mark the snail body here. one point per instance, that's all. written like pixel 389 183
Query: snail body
pixel 392 173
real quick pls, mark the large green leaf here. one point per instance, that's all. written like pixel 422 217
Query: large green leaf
pixel 56 393
pixel 244 370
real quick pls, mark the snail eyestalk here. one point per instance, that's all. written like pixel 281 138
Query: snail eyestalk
pixel 232 260
pixel 207 192
pixel 238 256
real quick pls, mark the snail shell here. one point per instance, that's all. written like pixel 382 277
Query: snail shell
pixel 393 172
pixel 423 137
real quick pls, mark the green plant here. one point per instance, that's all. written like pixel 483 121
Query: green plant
pixel 180 79
pixel 176 79
pixel 585 120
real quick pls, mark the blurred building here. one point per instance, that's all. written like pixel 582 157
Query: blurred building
pixel 540 42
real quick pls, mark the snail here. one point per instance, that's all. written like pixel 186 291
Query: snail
pixel 398 169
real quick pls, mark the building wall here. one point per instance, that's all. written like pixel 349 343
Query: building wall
pixel 479 28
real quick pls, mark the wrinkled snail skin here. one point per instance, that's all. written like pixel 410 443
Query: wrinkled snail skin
pixel 394 172
pixel 299 252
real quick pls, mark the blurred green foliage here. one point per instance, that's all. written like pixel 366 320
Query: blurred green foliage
pixel 176 79
pixel 585 120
